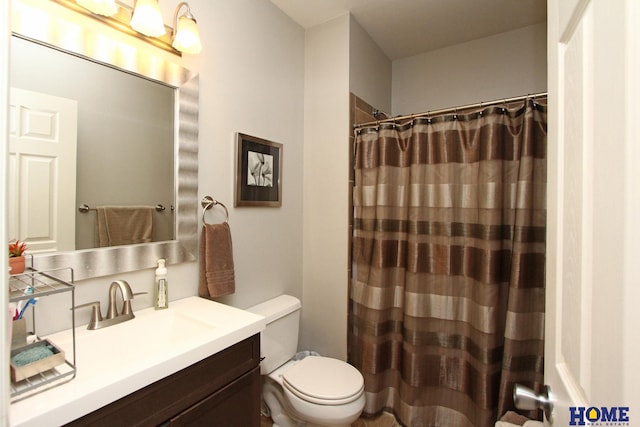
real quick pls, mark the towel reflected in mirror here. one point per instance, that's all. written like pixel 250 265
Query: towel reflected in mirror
pixel 124 225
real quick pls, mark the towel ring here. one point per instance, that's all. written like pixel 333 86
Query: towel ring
pixel 208 202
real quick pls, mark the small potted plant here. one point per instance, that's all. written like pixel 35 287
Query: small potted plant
pixel 16 257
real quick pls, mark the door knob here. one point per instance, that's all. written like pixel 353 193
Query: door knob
pixel 526 399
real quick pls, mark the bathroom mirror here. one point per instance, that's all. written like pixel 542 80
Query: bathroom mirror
pixel 144 64
pixel 121 155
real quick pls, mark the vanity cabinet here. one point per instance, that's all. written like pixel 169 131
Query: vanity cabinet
pixel 221 390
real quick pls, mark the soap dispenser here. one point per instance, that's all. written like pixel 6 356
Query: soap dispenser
pixel 161 291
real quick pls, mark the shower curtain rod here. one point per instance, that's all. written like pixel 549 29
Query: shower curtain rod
pixel 450 110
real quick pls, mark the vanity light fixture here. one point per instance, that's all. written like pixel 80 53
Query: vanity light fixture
pixel 147 18
pixel 186 36
pixel 101 7
pixel 144 21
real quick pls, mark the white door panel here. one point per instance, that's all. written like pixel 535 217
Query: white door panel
pixel 592 211
pixel 42 169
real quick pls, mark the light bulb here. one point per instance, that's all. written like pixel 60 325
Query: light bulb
pixel 147 18
pixel 187 38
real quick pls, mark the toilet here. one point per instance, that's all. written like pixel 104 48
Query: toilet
pixel 312 390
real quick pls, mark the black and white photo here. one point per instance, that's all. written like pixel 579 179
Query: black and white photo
pixel 258 172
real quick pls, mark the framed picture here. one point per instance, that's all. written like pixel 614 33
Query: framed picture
pixel 258 172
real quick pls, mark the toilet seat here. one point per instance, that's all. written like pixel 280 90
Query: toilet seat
pixel 324 381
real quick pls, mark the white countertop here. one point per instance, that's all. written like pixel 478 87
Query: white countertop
pixel 115 361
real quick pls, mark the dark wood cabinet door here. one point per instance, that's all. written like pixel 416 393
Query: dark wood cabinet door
pixel 236 405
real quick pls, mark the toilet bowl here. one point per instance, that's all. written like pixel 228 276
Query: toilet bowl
pixel 312 391
pixel 322 390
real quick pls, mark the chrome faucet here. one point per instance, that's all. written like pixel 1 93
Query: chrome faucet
pixel 127 296
pixel 113 317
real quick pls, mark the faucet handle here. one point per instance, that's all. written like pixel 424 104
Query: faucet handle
pixel 126 305
pixel 96 315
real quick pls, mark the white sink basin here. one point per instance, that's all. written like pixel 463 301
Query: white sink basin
pixel 117 360
pixel 150 333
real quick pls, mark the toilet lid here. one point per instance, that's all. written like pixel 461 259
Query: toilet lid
pixel 324 380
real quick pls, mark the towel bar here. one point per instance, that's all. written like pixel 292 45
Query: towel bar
pixel 208 202
pixel 84 208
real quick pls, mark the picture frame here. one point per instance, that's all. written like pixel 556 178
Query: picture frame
pixel 258 172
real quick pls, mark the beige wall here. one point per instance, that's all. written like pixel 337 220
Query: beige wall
pixel 369 69
pixel 252 81
pixel 326 160
pixel 340 58
pixel 505 65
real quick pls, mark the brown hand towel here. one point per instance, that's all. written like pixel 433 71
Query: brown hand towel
pixel 124 225
pixel 217 277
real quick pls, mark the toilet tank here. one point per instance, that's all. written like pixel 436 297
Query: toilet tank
pixel 279 341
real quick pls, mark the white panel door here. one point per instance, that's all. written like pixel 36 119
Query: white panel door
pixel 42 170
pixel 593 202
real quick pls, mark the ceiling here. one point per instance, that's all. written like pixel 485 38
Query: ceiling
pixel 403 28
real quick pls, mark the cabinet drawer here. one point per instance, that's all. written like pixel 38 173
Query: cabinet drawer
pixel 164 399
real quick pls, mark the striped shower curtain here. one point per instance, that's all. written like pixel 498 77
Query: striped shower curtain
pixel 446 305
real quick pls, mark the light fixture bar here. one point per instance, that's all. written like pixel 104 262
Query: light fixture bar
pixel 101 7
pixel 120 21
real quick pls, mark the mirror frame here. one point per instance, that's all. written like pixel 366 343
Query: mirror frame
pixel 63 35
